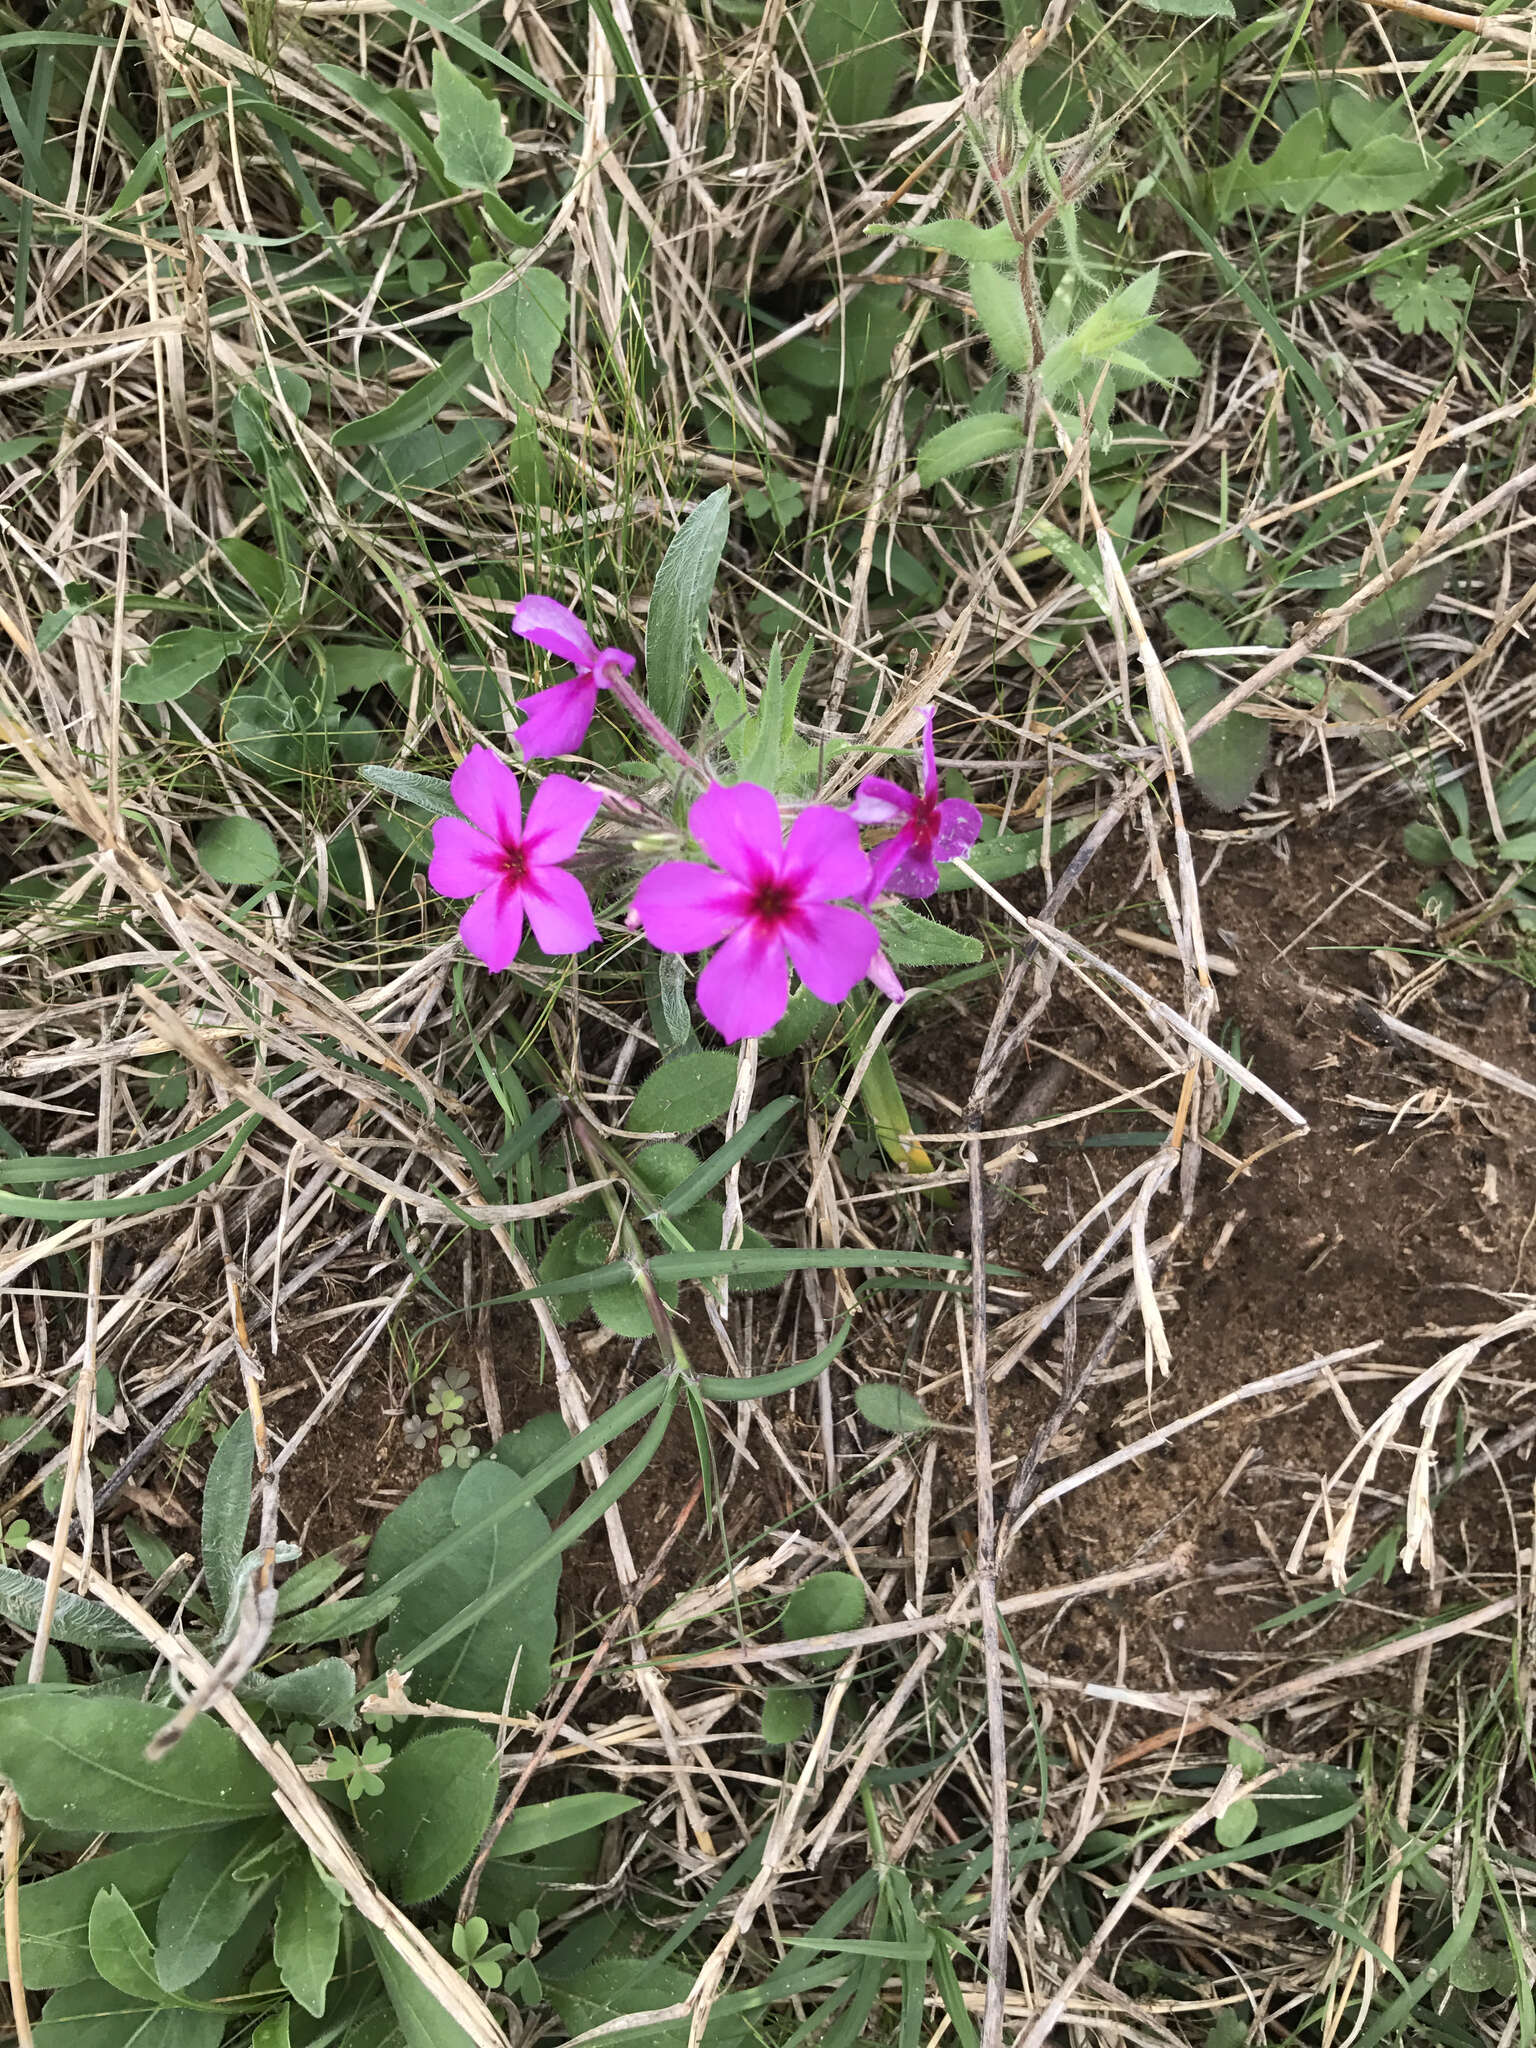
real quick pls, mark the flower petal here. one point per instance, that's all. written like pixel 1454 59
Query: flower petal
pixel 492 927
pixel 464 861
pixel 685 906
pixel 744 990
pixel 556 720
pixel 558 910
pixel 913 874
pixel 831 948
pixel 930 765
pixel 561 810
pixel 740 829
pixel 548 623
pixel 613 664
pixel 886 858
pixel 959 829
pixel 486 791
pixel 823 858
pixel 883 976
pixel 879 802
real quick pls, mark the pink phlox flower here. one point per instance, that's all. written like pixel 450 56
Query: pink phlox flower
pixel 772 904
pixel 929 828
pixel 555 720
pixel 512 866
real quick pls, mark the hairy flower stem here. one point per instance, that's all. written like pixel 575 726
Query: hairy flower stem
pixel 648 722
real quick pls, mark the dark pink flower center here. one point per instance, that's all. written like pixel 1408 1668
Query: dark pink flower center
pixel 923 820
pixel 514 864
pixel 773 901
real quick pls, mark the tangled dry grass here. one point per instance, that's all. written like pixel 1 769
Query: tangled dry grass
pixel 262 1114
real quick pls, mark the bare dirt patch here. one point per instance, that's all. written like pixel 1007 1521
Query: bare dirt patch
pixel 1400 1220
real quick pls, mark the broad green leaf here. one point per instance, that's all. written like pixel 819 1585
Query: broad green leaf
pixel 422 2018
pixel 518 329
pixel 417 406
pixel 685 1093
pixel 1245 1748
pixel 913 939
pixel 77 1761
pixel 806 1016
pixel 175 663
pixel 527 1448
pixel 227 1502
pixel 56 1911
pixel 788 1714
pixel 272 581
pixel 858 52
pixel 979 437
pixel 1392 615
pixel 999 301
pixel 674 625
pixel 536 1827
pixel 1378 175
pixel 84 1623
pixel 618 1985
pixel 206 1901
pixel 1426 844
pixel 518 1630
pixel 964 238
pixel 825 1604
pixel 94 2014
pixel 273 2029
pixel 1230 758
pixel 891 1408
pixel 1237 1823
pixel 1221 571
pixel 436 1804
pixel 121 1952
pixel 308 1930
pixel 472 139
pixel 426 792
pixel 1305 1794
pixel 428 459
pixel 321 1693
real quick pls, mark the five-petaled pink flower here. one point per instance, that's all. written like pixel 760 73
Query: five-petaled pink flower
pixel 511 866
pixel 555 720
pixel 930 829
pixel 773 904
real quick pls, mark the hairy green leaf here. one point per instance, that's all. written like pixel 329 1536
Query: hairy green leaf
pixel 674 625
pixel 685 1093
pixel 77 1761
pixel 825 1604
pixel 979 437
pixel 999 301
pixel 227 1509
pixel 516 1633
pixel 435 1806
pixel 308 1930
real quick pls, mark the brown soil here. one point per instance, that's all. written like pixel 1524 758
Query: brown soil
pixel 1395 1220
